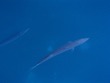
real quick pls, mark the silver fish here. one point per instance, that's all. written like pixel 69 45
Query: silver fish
pixel 13 37
pixel 62 49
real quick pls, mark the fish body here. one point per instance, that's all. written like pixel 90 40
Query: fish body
pixel 62 49
pixel 13 37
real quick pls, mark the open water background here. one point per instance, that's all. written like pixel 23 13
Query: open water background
pixel 53 23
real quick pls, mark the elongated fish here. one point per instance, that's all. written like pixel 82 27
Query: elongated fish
pixel 13 37
pixel 68 46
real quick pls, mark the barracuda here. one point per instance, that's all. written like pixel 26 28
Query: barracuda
pixel 60 50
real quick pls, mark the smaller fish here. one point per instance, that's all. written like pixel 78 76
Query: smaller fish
pixel 68 46
pixel 13 37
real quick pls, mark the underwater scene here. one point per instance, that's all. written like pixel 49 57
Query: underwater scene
pixel 55 41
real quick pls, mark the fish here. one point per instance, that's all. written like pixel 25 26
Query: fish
pixel 66 47
pixel 13 37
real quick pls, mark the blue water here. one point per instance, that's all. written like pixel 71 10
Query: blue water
pixel 53 23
